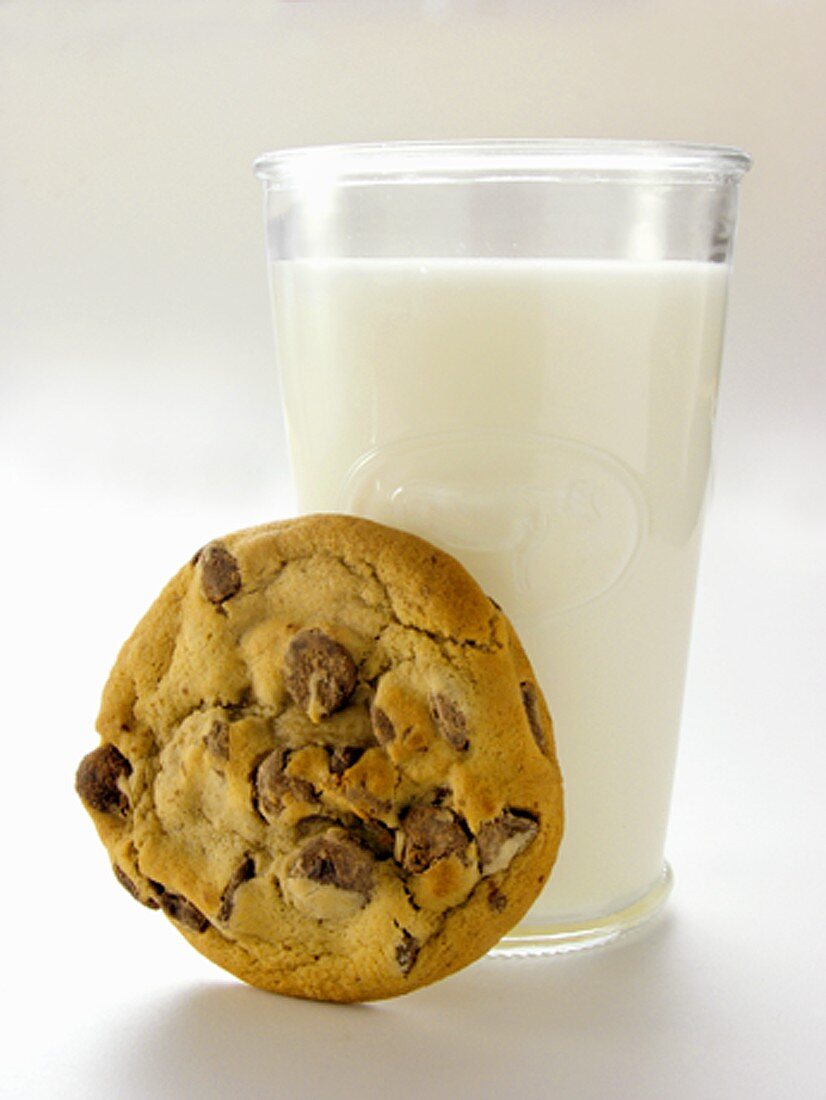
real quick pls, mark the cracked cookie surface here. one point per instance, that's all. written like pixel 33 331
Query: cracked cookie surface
pixel 326 759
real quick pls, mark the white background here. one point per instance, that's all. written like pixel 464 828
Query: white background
pixel 138 418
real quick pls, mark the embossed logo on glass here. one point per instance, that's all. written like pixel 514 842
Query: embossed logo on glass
pixel 545 524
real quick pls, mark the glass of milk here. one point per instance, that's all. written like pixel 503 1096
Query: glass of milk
pixel 512 348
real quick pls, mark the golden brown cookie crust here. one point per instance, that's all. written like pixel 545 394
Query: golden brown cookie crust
pixel 325 757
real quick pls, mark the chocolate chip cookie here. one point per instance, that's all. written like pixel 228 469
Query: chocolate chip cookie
pixel 326 759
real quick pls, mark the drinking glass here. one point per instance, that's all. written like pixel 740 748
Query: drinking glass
pixel 512 348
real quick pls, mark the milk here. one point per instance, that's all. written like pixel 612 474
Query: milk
pixel 548 423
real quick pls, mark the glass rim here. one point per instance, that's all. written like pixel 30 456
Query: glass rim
pixel 470 160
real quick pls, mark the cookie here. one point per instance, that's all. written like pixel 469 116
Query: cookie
pixel 326 759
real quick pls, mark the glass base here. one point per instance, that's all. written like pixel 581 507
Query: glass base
pixel 530 938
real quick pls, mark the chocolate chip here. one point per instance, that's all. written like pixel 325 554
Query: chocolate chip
pixel 217 740
pixel 97 780
pixel 130 887
pixel 126 882
pixel 270 784
pixel 319 674
pixel 382 726
pixel 343 757
pixel 449 720
pixel 430 833
pixel 500 841
pixel 376 836
pixel 313 823
pixel 220 576
pixel 441 796
pixel 530 702
pixel 497 900
pixel 407 951
pixel 184 912
pixel 243 873
pixel 336 861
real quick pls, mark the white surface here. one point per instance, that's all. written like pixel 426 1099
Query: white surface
pixel 137 420
pixel 725 998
